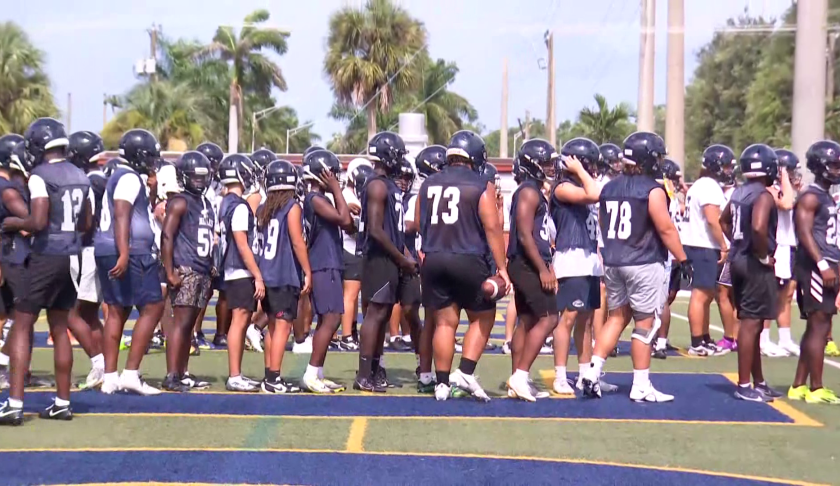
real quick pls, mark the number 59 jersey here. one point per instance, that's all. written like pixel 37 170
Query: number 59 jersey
pixel 449 220
pixel 194 242
pixel 67 187
pixel 629 235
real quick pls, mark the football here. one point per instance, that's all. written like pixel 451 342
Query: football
pixel 494 287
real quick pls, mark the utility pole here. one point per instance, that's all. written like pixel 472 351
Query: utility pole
pixel 809 77
pixel 503 129
pixel 69 112
pixel 549 119
pixel 527 133
pixel 675 87
pixel 829 68
pixel 153 33
pixel 104 109
pixel 644 119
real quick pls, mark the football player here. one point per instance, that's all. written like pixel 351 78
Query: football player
pixel 672 180
pixel 611 166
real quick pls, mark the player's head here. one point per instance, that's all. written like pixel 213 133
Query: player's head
pixel 167 179
pixel 85 149
pixel 490 174
pixel 789 162
pixel 405 179
pixel 281 186
pixel 300 187
pixel 318 163
pixel 352 168
pixel 261 158
pixel 363 174
pixel 467 148
pixel 19 161
pixel 535 161
pixel 310 150
pixel 823 160
pixel 214 154
pixel 44 139
pixel 140 150
pixel 759 162
pixel 430 160
pixel 387 149
pixel 194 172
pixel 612 159
pixel 583 149
pixel 7 148
pixel 719 164
pixel 671 171
pixel 644 152
pixel 237 169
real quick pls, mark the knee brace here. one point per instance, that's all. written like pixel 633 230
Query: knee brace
pixel 647 336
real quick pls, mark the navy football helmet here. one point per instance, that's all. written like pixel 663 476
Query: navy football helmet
pixel 281 175
pixel 214 154
pixel 84 149
pixel 388 149
pixel 430 160
pixel 757 161
pixel 535 160
pixel 317 162
pixel 363 174
pixel 823 160
pixel 612 159
pixel 646 151
pixel 405 178
pixel 237 168
pixel 42 135
pixel 583 149
pixel 671 170
pixel 140 149
pixel 310 150
pixel 469 146
pixel 261 158
pixel 7 147
pixel 719 162
pixel 194 172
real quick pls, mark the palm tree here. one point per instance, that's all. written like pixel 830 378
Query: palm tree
pixel 24 87
pixel 250 69
pixel 370 52
pixel 445 111
pixel 606 124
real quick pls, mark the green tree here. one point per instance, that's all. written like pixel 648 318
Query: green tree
pixel 250 69
pixel 445 111
pixel 604 124
pixel 24 86
pixel 372 50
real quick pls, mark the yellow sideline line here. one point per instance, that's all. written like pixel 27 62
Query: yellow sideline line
pixel 783 408
pixel 431 455
pixel 356 437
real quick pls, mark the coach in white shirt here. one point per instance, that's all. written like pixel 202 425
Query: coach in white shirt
pixel 704 243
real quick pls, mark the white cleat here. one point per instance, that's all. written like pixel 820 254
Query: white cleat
pixel 94 379
pixel 137 385
pixel 313 384
pixel 649 394
pixel 506 347
pixel 442 391
pixel 110 386
pixel 469 384
pixel 520 389
pixel 772 350
pixel 562 387
pixel 607 387
pixel 789 347
pixel 254 337
pixel 303 348
pixel 538 393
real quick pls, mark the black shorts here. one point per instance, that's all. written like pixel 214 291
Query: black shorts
pixel 450 278
pixel 705 263
pixel 50 284
pixel 528 294
pixel 15 283
pixel 811 296
pixel 675 279
pixel 240 294
pixel 725 274
pixel 380 280
pixel 352 267
pixel 281 302
pixel 578 293
pixel 410 290
pixel 755 288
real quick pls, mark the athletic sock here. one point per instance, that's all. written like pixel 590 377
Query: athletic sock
pixel 407 339
pixel 696 341
pixel 521 375
pixel 15 403
pixel 320 372
pixel 784 335
pixel 61 403
pixel 641 378
pixel 266 372
pixel 392 339
pixel 765 337
pixel 131 374
pixel 111 376
pixel 661 343
pixel 365 366
pixel 4 360
pixel 744 385
pixel 442 377
pixel 426 378
pixel 582 367
pixel 597 365
pixel 311 371
pixel 467 366
pixel 707 338
pixel 375 364
pixel 98 361
pixel 560 373
pixel 272 376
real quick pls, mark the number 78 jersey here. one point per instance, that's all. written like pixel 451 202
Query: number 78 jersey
pixel 449 220
pixel 630 237
pixel 67 187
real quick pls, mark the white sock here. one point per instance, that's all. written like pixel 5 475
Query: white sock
pixel 393 338
pixel 15 403
pixel 426 378
pixel 311 371
pixel 765 336
pixel 641 378
pixel 661 343
pixel 521 375
pixel 98 361
pixel 235 379
pixel 582 367
pixel 130 374
pixel 597 365
pixel 784 335
pixel 61 403
pixel 112 376
pixel 4 360
pixel 560 373
pixel 407 339
pixel 320 372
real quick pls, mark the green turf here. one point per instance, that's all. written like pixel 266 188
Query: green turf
pixel 801 453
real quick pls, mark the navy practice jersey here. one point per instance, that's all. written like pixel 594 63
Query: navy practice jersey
pixel 141 238
pixel 541 231
pixel 742 202
pixel 15 246
pixel 393 219
pixel 98 183
pixel 449 219
pixel 577 224
pixel 825 227
pixel 67 188
pixel 194 240
pixel 278 264
pixel 626 227
pixel 325 247
pixel 410 238
pixel 230 258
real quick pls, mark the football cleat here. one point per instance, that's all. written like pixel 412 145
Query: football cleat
pixel 172 383
pixel 367 385
pixel 4 377
pixel 280 386
pixel 10 415
pixel 380 377
pixel 798 393
pixel 649 394
pixel 253 339
pixel 240 384
pixel 442 391
pixel 137 385
pixel 193 382
pixel 94 379
pixel 55 412
pixel 765 390
pixel 519 388
pixel 751 395
pixel 469 384
pixel 313 384
pixel 348 343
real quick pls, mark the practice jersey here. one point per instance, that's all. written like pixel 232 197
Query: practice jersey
pixel 324 239
pixel 98 182
pixel 629 235
pixel 412 240
pixel 741 206
pixel 392 219
pixel 676 217
pixel 278 264
pixel 234 215
pixel 577 224
pixel 194 241
pixel 449 219
pixel 67 187
pixel 125 185
pixel 601 181
pixel 825 227
pixel 541 231
pixel 15 247
pixel 704 192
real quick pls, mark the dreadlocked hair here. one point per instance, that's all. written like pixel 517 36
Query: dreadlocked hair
pixel 274 200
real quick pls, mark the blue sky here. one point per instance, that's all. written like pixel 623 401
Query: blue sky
pixel 91 47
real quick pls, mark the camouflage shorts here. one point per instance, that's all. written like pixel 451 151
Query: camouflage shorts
pixel 194 291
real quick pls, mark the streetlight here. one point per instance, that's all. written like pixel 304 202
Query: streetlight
pixel 257 116
pixel 515 136
pixel 295 130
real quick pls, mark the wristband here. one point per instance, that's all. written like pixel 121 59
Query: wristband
pixel 765 260
pixel 823 265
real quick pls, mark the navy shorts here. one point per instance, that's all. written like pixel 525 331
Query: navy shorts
pixel 705 263
pixel 139 286
pixel 579 293
pixel 327 292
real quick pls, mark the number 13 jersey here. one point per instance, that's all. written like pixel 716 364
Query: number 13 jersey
pixel 194 241
pixel 629 235
pixel 67 187
pixel 449 220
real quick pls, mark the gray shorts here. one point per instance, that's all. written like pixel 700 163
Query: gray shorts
pixel 641 286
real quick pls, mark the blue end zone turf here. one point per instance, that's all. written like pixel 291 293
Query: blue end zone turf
pixel 327 468
pixel 706 398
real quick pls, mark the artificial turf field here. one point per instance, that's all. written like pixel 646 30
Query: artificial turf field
pixel 704 437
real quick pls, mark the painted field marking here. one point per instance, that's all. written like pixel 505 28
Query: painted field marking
pixel 356 437
pixel 783 408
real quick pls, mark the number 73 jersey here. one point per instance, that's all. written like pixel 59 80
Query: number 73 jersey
pixel 194 241
pixel 67 187
pixel 449 220
pixel 630 237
